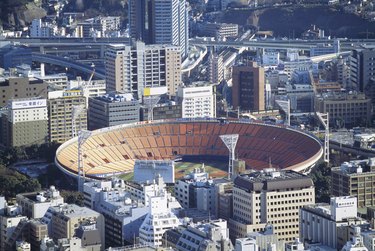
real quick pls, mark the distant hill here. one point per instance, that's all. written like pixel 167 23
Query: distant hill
pixel 286 21
pixel 15 14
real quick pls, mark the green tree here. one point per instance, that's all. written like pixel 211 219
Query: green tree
pixel 321 176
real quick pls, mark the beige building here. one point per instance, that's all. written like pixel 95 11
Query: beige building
pixel 273 197
pixel 21 87
pixel 345 109
pixel 67 114
pixel 67 220
pixel 130 69
pixel 356 178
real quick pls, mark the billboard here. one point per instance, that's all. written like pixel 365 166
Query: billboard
pixel 27 103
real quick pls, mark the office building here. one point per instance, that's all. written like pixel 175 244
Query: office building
pixel 348 109
pixel 35 205
pixel 24 122
pixel 131 69
pixel 21 87
pixel 248 87
pixel 216 68
pixel 328 224
pixel 67 115
pixel 270 196
pixel 160 22
pixel 362 68
pixel 198 100
pixel 65 220
pixel 355 178
pixel 112 109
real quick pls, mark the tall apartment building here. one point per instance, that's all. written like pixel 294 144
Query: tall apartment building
pixel 160 22
pixel 198 100
pixel 25 122
pixel 21 87
pixel 67 115
pixel 64 221
pixel 357 179
pixel 270 196
pixel 35 205
pixel 327 224
pixel 362 68
pixel 112 109
pixel 130 69
pixel 248 87
pixel 216 68
pixel 350 109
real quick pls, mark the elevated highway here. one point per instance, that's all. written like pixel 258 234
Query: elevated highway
pixel 56 60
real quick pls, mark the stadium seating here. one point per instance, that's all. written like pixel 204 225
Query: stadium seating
pixel 260 145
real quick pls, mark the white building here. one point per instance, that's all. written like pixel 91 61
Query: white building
pixel 356 242
pixel 198 100
pixel 258 241
pixel 270 58
pixel 9 221
pixel 159 219
pixel 35 205
pixel 319 223
pixel 197 190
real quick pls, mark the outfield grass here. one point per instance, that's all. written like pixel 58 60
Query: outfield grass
pixel 215 169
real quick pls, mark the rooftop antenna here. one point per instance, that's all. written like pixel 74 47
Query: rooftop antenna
pixel 230 141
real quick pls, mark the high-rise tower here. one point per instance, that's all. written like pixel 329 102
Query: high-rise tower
pixel 160 22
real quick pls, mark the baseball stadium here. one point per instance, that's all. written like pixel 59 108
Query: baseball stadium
pixel 113 151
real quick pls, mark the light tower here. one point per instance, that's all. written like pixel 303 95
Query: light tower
pixel 83 135
pixel 151 102
pixel 324 119
pixel 230 141
pixel 76 111
pixel 285 106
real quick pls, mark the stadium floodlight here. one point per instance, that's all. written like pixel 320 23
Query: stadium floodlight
pixel 285 106
pixel 230 141
pixel 151 102
pixel 83 135
pixel 76 112
pixel 324 119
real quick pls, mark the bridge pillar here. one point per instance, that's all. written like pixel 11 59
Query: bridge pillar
pixel 42 49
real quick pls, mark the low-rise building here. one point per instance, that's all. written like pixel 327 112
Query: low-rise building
pixel 35 205
pixel 355 178
pixel 327 224
pixel 349 109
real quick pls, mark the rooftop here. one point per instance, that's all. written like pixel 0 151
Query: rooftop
pixel 269 179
